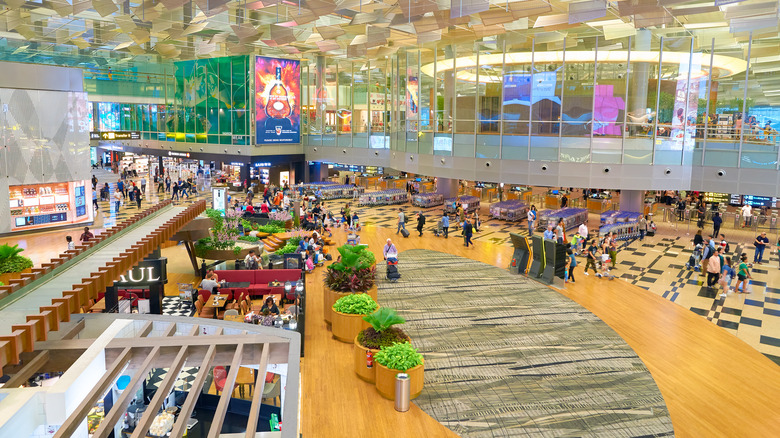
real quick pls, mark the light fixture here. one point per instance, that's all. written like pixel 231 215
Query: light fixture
pixel 287 287
pixel 299 287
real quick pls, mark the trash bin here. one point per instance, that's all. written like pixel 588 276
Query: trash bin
pixel 402 389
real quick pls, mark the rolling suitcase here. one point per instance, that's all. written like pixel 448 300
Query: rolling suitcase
pixel 404 232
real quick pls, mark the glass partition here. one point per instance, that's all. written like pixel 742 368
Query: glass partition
pixel 546 91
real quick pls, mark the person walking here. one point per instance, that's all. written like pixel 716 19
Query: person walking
pixel 716 222
pixel 143 185
pixel 468 231
pixel 727 273
pixel 680 209
pixel 401 221
pixel 389 250
pixel 592 256
pixel 583 230
pixel 531 220
pixel 117 199
pixel 175 192
pixel 564 201
pixel 701 212
pixel 743 275
pixel 160 184
pixel 167 183
pixel 760 243
pixel 747 215
pixel 642 227
pixel 612 249
pixel 420 222
pixel 120 186
pixel 559 231
pixel 445 225
pixel 94 199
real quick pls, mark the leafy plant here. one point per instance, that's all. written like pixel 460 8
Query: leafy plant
pixel 367 258
pixel 7 251
pixel 355 304
pixel 375 340
pixel 2 284
pixel 353 258
pixel 248 238
pixel 399 356
pixel 277 223
pixel 383 319
pixel 360 280
pixel 271 228
pixel 16 263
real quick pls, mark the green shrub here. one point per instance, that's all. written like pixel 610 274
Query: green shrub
pixel 8 251
pixel 399 356
pixel 367 258
pixel 355 304
pixel 289 248
pixel 375 340
pixel 270 229
pixel 383 319
pixel 248 238
pixel 2 284
pixel 16 263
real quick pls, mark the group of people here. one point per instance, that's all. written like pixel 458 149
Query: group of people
pixel 469 224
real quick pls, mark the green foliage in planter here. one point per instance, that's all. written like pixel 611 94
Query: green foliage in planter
pixel 352 258
pixel 294 240
pixel 399 356
pixel 16 263
pixel 206 244
pixel 367 258
pixel 248 238
pixel 2 284
pixel 355 304
pixel 278 224
pixel 8 251
pixel 360 280
pixel 289 248
pixel 248 225
pixel 383 319
pixel 271 229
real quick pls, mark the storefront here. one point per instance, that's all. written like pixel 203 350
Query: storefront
pixel 36 206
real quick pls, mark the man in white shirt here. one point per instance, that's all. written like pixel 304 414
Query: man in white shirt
pixel 401 221
pixel 389 250
pixel 583 230
pixel 117 199
pixel 747 214
pixel 251 261
pixel 531 221
pixel 208 284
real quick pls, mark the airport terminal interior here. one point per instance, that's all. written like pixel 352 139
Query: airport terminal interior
pixel 397 218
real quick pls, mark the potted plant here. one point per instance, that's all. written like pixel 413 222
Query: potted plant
pixel 351 274
pixel 400 357
pixel 223 243
pixel 369 341
pixel 12 264
pixel 348 313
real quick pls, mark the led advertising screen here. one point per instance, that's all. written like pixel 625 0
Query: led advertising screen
pixel 277 100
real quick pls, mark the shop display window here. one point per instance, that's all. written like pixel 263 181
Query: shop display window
pixel 44 205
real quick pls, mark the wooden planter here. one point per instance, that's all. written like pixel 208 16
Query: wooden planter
pixel 332 296
pixel 385 380
pixel 227 254
pixel 345 326
pixel 6 278
pixel 363 371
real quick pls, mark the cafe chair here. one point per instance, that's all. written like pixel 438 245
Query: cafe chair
pixel 231 312
pixel 220 378
pixel 243 307
pixel 203 293
pixel 272 391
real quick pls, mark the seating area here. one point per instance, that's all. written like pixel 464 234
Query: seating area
pixel 259 281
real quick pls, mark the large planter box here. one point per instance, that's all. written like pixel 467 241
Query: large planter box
pixel 227 254
pixel 6 278
pixel 332 296
pixel 385 380
pixel 345 326
pixel 361 364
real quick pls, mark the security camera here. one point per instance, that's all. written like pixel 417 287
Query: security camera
pixel 544 167
pixel 606 170
pixel 721 172
pixel 487 164
pixel 443 161
pixel 190 148
pixel 225 150
pixel 376 153
pixel 411 157
pixel 668 171
pixel 239 152
pixel 201 149
pixel 315 149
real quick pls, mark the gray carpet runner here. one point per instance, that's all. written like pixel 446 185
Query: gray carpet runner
pixel 508 357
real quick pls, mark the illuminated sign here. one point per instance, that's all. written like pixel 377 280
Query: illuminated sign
pixel 277 100
pixel 235 163
pixel 115 135
pixel 146 272
pixel 266 164
pixel 178 154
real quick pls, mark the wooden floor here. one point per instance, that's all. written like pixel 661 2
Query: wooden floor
pixel 713 383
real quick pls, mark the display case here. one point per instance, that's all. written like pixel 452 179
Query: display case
pixel 36 206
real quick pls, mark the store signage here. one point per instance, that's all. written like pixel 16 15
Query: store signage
pixel 219 198
pixel 145 273
pixel 236 163
pixel 266 164
pixel 278 100
pixel 178 154
pixel 115 135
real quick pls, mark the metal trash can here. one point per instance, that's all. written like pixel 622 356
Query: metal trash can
pixel 402 389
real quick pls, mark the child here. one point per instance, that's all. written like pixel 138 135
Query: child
pixel 743 275
pixel 726 274
pixel 355 221
pixel 71 245
pixel 605 261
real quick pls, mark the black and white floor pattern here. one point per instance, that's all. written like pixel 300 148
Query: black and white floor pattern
pixel 174 306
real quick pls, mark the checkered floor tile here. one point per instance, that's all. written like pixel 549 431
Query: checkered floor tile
pixel 174 306
pixel 183 381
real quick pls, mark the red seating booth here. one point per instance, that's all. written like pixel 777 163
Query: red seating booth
pixel 258 280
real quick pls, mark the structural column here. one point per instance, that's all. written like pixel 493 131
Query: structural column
pixel 447 187
pixel 632 200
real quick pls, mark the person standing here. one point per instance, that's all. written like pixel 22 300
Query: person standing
pixel 760 243
pixel 420 222
pixel 143 185
pixel 612 249
pixel 572 262
pixel 680 209
pixel 747 215
pixel 117 199
pixel 468 231
pixel 593 253
pixel 549 233
pixel 445 225
pixel 160 184
pixel 389 250
pixel 701 212
pixel 564 201
pixel 559 231
pixel 713 270
pixel 531 220
pixel 642 227
pixel 71 245
pixel 94 199
pixel 401 221
pixel 86 235
pixel 120 186
pixel 583 230
pixel 138 197
pixel 168 183
pixel 716 222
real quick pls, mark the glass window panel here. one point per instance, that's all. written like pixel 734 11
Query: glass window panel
pixel 225 102
pixel 759 145
pixel 412 100
pixel 678 101
pixel 546 93
pixel 445 87
pixel 344 111
pixel 213 95
pixel 330 81
pixel 239 88
pixel 361 115
pixel 427 101
pixel 641 100
pixel 489 100
pixel 576 103
pixel 609 104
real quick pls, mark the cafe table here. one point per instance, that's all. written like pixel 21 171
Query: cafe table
pixel 220 303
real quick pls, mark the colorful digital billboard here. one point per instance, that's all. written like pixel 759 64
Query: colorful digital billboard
pixel 277 100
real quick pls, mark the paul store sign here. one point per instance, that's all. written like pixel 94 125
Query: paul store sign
pixel 145 273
